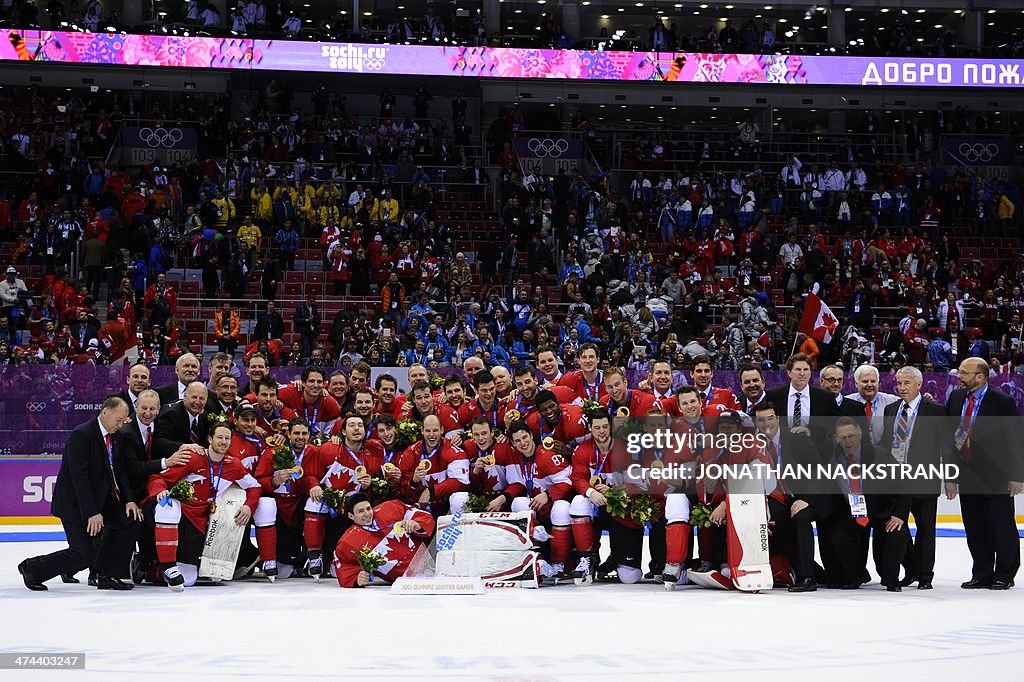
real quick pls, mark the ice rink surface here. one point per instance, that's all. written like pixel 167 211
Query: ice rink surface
pixel 297 630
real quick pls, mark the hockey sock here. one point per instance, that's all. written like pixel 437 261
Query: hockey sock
pixel 583 533
pixel 677 542
pixel 560 543
pixel 313 530
pixel 166 543
pixel 266 540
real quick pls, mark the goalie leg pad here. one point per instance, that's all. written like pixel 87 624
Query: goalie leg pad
pixel 266 512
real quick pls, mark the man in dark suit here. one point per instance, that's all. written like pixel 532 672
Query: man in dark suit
pixel 988 442
pixel 181 423
pixel 269 325
pixel 916 433
pixel 872 503
pixel 85 328
pixel 751 388
pixel 88 499
pixel 256 368
pixel 138 381
pixel 307 325
pixel 797 401
pixel 187 370
pixel 224 397
pixel 135 462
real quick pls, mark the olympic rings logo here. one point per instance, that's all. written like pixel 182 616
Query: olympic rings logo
pixel 979 152
pixel 161 137
pixel 547 147
pixel 373 64
pixel 35 407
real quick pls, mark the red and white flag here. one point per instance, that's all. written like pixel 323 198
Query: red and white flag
pixel 818 322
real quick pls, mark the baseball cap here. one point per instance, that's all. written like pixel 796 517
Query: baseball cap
pixel 245 406
pixel 11 270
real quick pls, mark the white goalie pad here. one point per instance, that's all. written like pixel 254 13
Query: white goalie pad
pixel 486 531
pixel 223 537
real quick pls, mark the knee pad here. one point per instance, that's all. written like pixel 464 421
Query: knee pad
pixel 629 575
pixel 677 508
pixel 266 512
pixel 457 501
pixel 168 514
pixel 581 506
pixel 520 504
pixel 285 571
pixel 560 513
pixel 190 572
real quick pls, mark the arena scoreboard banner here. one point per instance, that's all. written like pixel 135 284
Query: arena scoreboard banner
pixel 501 62
pixel 158 144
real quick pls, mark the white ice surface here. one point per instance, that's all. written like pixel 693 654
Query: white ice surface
pixel 297 630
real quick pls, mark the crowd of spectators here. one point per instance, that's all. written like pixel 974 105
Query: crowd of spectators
pixel 650 264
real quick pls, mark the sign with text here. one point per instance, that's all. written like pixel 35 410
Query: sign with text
pixel 158 144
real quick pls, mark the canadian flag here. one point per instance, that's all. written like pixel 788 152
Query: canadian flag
pixel 818 322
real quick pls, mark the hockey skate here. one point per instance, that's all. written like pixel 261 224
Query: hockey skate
pixel 583 575
pixel 671 575
pixel 175 580
pixel 315 564
pixel 270 569
pixel 551 573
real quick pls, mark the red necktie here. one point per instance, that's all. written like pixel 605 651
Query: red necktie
pixel 149 442
pixel 703 400
pixel 856 489
pixel 965 452
pixel 869 412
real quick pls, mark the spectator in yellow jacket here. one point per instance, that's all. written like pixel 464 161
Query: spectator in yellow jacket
pixel 223 210
pixel 262 203
pixel 385 209
pixel 249 234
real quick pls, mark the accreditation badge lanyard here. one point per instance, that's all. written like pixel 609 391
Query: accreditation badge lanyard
pixel 388 454
pixel 901 445
pixel 963 433
pixel 602 460
pixel 215 486
pixel 597 386
pixel 316 413
pixel 491 415
pixel 353 455
pixel 527 469
pixel 369 429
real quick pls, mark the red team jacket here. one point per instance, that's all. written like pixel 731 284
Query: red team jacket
pixel 199 471
pixel 398 550
pixel 491 480
pixel 578 383
pixel 572 428
pixel 449 471
pixel 289 495
pixel 334 466
pixel 321 415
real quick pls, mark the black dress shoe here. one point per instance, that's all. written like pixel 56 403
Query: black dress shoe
pixel 908 581
pixel 924 585
pixel 973 584
pixel 805 585
pixel 30 580
pixel 851 586
pixel 92 581
pixel 1001 585
pixel 893 588
pixel 105 583
pixel 69 579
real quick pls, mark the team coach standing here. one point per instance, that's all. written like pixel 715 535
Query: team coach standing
pixel 88 501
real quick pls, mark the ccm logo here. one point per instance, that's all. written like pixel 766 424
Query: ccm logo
pixel 38 489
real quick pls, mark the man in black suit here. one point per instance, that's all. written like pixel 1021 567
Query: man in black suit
pixel 797 402
pixel 89 500
pixel 872 503
pixel 269 325
pixel 136 462
pixel 187 370
pixel 138 381
pixel 792 514
pixel 85 328
pixel 181 423
pixel 988 441
pixel 751 388
pixel 307 325
pixel 224 397
pixel 916 433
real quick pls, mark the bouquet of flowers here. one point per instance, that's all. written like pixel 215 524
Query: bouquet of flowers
pixel 408 432
pixel 334 500
pixel 436 382
pixel 476 503
pixel 284 458
pixel 214 418
pixel 380 489
pixel 592 407
pixel 644 508
pixel 318 439
pixel 618 501
pixel 183 491
pixel 700 515
pixel 370 561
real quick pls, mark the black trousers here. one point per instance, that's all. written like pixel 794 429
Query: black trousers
pixel 110 558
pixel 839 538
pixel 784 538
pixel 888 550
pixel 627 544
pixel 656 543
pixel 991 536
pixel 919 560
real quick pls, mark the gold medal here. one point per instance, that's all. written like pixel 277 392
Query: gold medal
pixel 595 481
pixel 516 415
pixel 388 467
pixel 398 529
pixel 548 442
pixel 424 465
pixel 360 471
pixel 622 411
pixel 213 508
pixel 657 464
pixel 488 460
pixel 296 471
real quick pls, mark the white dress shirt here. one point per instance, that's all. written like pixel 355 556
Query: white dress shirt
pixel 805 405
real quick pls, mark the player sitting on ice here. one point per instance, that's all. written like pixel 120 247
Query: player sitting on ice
pixel 540 481
pixel 392 531
pixel 181 525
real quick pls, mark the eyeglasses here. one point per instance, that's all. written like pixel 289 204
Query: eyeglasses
pixel 832 380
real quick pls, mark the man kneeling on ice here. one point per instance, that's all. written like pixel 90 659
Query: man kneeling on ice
pixel 385 537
